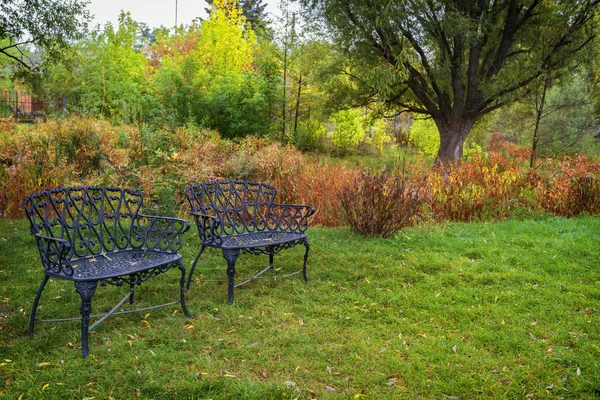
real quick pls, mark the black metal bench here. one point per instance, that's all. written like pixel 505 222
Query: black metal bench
pixel 239 216
pixel 96 234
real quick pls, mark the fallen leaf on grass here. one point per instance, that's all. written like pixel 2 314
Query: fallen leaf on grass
pixel 454 349
pixel 227 374
pixel 43 364
pixel 145 323
pixel 534 323
pixel 265 374
pixel 45 386
pixel 329 388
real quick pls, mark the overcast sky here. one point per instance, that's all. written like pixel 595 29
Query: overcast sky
pixel 154 12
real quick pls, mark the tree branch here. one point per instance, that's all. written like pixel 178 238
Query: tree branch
pixel 23 63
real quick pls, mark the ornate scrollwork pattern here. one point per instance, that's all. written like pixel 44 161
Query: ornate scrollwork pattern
pixel 54 254
pixel 228 208
pixel 86 222
pixel 159 233
pixel 289 217
pixel 92 219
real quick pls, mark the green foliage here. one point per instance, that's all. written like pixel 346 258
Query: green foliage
pixel 309 134
pixel 380 134
pixel 218 79
pixel 108 78
pixel 568 124
pixel 349 129
pixel 424 136
pixel 49 26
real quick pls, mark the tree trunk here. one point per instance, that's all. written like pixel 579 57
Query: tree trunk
pixel 297 108
pixel 452 138
pixel 539 112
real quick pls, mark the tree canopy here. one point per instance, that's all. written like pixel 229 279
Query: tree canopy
pixel 454 60
pixel 45 27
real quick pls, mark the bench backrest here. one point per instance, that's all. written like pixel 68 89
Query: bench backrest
pixel 92 219
pixel 241 206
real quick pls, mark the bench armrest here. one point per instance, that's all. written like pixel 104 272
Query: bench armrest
pixel 55 254
pixel 289 217
pixel 208 228
pixel 158 233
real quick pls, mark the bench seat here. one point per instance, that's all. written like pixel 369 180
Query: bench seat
pixel 260 239
pixel 120 263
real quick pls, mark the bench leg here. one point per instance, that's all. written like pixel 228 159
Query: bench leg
pixel 35 304
pixel 182 290
pixel 231 256
pixel 132 290
pixel 194 266
pixel 305 242
pixel 86 290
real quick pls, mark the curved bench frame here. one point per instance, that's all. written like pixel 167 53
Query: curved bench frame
pixel 96 234
pixel 242 217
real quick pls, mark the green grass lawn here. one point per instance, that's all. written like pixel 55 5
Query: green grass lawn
pixel 505 310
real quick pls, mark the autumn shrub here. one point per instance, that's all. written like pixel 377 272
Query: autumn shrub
pixel 162 162
pixel 499 144
pixel 380 204
pixel 319 184
pixel 485 187
pixel 569 187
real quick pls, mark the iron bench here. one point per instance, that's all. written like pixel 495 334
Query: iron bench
pixel 96 234
pixel 239 216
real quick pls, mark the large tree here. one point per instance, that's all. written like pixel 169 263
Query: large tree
pixel 455 60
pixel 44 28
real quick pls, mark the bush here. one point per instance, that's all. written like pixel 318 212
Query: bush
pixel 425 137
pixel 349 130
pixel 380 204
pixel 161 162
